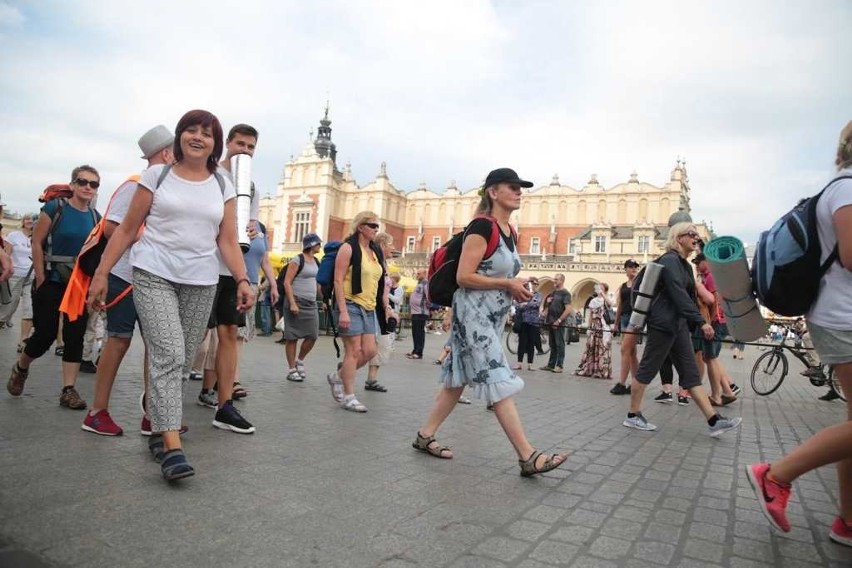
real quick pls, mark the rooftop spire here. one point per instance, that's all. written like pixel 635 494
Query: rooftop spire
pixel 323 144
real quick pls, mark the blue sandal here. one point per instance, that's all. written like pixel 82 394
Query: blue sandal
pixel 156 447
pixel 175 466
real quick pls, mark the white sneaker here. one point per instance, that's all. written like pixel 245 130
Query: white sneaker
pixel 300 366
pixel 638 422
pixel 724 425
pixel 336 386
pixel 353 405
pixel 295 376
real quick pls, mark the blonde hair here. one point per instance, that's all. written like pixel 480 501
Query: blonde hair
pixel 486 204
pixel 360 219
pixel 844 148
pixel 383 239
pixel 674 232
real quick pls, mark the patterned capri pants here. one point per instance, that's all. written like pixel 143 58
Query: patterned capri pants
pixel 173 318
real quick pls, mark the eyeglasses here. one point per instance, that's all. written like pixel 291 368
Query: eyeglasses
pixel 372 225
pixel 692 234
pixel 84 182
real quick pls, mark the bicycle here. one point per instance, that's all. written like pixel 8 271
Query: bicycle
pixel 772 367
pixel 512 340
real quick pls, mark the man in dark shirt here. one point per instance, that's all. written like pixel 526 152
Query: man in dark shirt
pixel 558 310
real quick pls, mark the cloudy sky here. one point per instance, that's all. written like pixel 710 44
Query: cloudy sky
pixel 753 94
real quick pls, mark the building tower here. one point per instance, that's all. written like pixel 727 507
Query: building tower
pixel 323 144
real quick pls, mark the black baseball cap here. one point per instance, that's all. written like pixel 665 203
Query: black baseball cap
pixel 630 263
pixel 505 175
pixel 698 258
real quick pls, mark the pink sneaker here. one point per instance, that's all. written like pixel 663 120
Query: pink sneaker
pixel 145 428
pixel 841 532
pixel 101 423
pixel 772 496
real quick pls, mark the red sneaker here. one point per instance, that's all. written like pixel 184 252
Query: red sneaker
pixel 841 532
pixel 145 428
pixel 772 496
pixel 101 423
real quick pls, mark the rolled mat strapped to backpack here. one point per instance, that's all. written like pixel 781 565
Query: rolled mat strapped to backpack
pixel 727 259
pixel 645 296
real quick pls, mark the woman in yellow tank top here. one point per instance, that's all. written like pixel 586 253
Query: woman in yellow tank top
pixel 360 298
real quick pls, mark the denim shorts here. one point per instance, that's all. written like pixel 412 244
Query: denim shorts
pixel 361 321
pixel 834 346
pixel 709 349
pixel 121 318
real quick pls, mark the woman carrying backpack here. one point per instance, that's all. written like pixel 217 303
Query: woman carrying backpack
pixel 360 300
pixel 674 311
pixel 62 227
pixel 188 215
pixel 480 308
pixel 301 319
pixel 830 326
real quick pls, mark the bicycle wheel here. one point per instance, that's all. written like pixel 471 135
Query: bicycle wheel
pixel 768 372
pixel 512 342
pixel 545 341
pixel 835 384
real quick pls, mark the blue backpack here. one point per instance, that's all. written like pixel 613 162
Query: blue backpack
pixel 325 273
pixel 786 270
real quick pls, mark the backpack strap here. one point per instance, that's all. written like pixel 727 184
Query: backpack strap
pixel 301 263
pixel 163 175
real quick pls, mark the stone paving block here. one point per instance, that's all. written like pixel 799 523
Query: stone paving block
pixel 501 548
pixel 563 500
pixel 711 516
pixel 694 563
pixel 527 530
pixel 589 562
pixel 706 531
pixel 737 562
pixel 607 497
pixel 621 528
pixel 585 517
pixel 659 553
pixel 670 517
pixel 475 562
pixel 595 506
pixel 553 552
pixel 797 550
pixel 575 534
pixel 714 503
pixel 528 563
pixel 647 495
pixel 608 547
pixel 544 514
pixel 703 550
pixel 663 532
pixel 677 503
pixel 754 550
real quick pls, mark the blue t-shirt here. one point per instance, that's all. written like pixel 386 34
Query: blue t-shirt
pixel 254 256
pixel 69 236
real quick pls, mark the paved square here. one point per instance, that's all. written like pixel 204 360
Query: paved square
pixel 318 486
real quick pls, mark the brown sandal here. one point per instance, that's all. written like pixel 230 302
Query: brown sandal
pixel 528 468
pixel 424 444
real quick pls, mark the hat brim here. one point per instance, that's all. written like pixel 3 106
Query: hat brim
pixel 525 183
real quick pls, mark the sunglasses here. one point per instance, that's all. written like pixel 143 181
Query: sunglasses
pixel 84 182
pixel 372 225
pixel 692 234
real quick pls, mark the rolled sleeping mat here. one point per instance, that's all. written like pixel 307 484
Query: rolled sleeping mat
pixel 729 265
pixel 645 295
pixel 241 173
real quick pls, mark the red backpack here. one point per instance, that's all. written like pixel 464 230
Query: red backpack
pixel 56 191
pixel 444 264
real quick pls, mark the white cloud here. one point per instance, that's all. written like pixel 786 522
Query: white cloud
pixel 10 17
pixel 753 94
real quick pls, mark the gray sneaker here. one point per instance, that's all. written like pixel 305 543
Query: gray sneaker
pixel 336 386
pixel 208 398
pixel 723 425
pixel 638 422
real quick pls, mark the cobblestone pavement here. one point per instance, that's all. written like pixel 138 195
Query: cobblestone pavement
pixel 318 486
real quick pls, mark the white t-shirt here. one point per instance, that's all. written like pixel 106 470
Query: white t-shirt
pixel 118 208
pixel 22 253
pixel 833 307
pixel 179 241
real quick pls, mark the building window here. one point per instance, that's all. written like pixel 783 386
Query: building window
pixel 600 243
pixel 535 245
pixel 409 244
pixel 303 225
pixel 644 245
pixel 573 246
pixel 436 243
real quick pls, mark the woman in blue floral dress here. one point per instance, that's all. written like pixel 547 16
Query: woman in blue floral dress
pixel 480 308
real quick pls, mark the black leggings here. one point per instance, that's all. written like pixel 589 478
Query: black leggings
pixel 46 301
pixel 526 342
